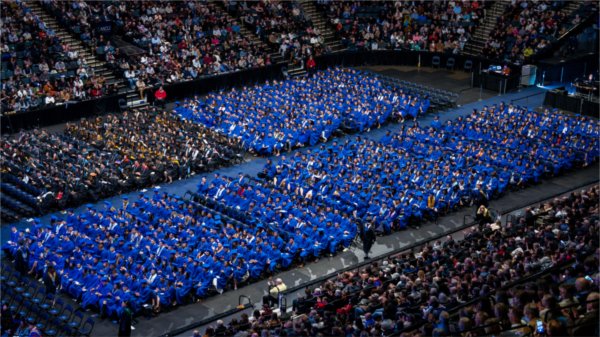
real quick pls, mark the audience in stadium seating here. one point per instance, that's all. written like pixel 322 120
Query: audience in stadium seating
pixel 104 156
pixel 200 40
pixel 38 68
pixel 418 25
pixel 420 293
pixel 525 29
pixel 302 111
pixel 284 25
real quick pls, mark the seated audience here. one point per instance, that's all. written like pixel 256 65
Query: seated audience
pixel 38 68
pixel 285 114
pixel 101 157
pixel 413 25
pixel 284 25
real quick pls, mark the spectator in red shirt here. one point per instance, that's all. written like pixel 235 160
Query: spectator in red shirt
pixel 161 96
pixel 310 65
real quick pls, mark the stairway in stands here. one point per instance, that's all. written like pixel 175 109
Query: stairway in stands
pixel 99 66
pixel 327 32
pixel 482 33
pixel 245 30
pixel 571 7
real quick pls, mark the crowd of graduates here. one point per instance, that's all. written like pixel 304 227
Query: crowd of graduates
pixel 418 293
pixel 158 251
pixel 314 229
pixel 422 173
pixel 103 156
pixel 413 25
pixel 38 68
pixel 281 115
pixel 284 25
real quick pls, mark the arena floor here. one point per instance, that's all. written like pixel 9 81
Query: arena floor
pixel 469 99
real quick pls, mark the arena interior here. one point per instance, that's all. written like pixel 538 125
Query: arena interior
pixel 299 168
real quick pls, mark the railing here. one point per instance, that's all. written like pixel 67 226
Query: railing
pixel 241 307
pixel 526 98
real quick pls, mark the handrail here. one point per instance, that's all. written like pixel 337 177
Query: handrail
pixel 527 96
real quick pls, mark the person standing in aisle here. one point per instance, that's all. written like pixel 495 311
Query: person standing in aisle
pixel 368 239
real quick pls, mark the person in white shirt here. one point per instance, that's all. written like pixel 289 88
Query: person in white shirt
pixel 49 100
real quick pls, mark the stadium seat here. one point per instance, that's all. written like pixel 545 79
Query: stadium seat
pixel 468 66
pixel 450 63
pixel 436 61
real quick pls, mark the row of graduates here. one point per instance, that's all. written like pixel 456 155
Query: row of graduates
pixel 154 252
pixel 315 227
pixel 421 173
pixel 508 130
pixel 100 157
pixel 547 133
pixel 390 187
pixel 302 111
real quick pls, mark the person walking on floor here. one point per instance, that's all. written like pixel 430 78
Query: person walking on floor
pixel 368 239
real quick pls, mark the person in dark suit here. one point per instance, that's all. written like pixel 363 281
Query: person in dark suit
pixel 125 320
pixel 22 258
pixel 368 239
pixel 51 280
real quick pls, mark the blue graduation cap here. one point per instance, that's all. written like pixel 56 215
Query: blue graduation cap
pixel 107 204
pixel 125 198
pixel 53 218
pixel 89 206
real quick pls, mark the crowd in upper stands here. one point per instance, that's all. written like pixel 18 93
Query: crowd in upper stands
pixel 186 40
pixel 181 40
pixel 437 26
pixel 38 68
pixel 284 25
pixel 526 28
pixel 303 111
pixel 101 157
pixel 428 292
